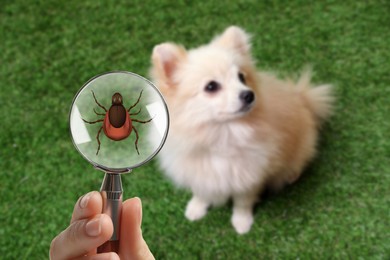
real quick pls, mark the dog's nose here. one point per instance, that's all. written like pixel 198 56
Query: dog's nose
pixel 247 96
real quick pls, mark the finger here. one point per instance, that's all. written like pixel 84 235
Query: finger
pixel 87 206
pixel 102 256
pixel 131 243
pixel 81 237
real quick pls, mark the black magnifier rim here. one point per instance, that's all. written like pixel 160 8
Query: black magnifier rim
pixel 126 169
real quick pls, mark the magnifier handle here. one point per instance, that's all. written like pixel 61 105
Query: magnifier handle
pixel 111 191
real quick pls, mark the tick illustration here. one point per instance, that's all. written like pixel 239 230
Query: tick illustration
pixel 117 121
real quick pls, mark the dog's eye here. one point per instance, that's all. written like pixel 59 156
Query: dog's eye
pixel 212 87
pixel 241 77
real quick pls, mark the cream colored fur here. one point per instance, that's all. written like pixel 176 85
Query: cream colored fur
pixel 220 152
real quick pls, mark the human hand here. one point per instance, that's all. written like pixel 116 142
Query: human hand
pixel 89 229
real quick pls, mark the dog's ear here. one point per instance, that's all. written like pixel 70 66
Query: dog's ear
pixel 166 58
pixel 234 38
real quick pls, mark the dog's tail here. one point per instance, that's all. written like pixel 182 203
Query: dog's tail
pixel 319 99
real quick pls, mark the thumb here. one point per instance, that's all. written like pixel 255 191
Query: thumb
pixel 131 244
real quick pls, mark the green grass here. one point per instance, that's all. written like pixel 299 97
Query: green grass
pixel 338 210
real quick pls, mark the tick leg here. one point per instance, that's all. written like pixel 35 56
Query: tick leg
pixel 136 139
pixel 97 138
pixel 133 114
pixel 98 102
pixel 140 94
pixel 93 122
pixel 98 113
pixel 143 122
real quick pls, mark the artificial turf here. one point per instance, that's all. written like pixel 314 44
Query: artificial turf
pixel 340 208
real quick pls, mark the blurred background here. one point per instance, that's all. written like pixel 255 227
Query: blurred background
pixel 49 49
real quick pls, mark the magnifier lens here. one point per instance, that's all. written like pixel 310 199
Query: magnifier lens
pixel 118 121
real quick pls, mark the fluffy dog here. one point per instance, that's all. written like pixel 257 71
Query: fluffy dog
pixel 234 130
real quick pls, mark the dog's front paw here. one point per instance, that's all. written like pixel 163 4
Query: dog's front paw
pixel 196 209
pixel 242 222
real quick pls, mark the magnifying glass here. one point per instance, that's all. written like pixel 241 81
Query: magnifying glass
pixel 118 122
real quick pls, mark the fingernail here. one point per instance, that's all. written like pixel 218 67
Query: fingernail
pixel 93 227
pixel 139 208
pixel 84 200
